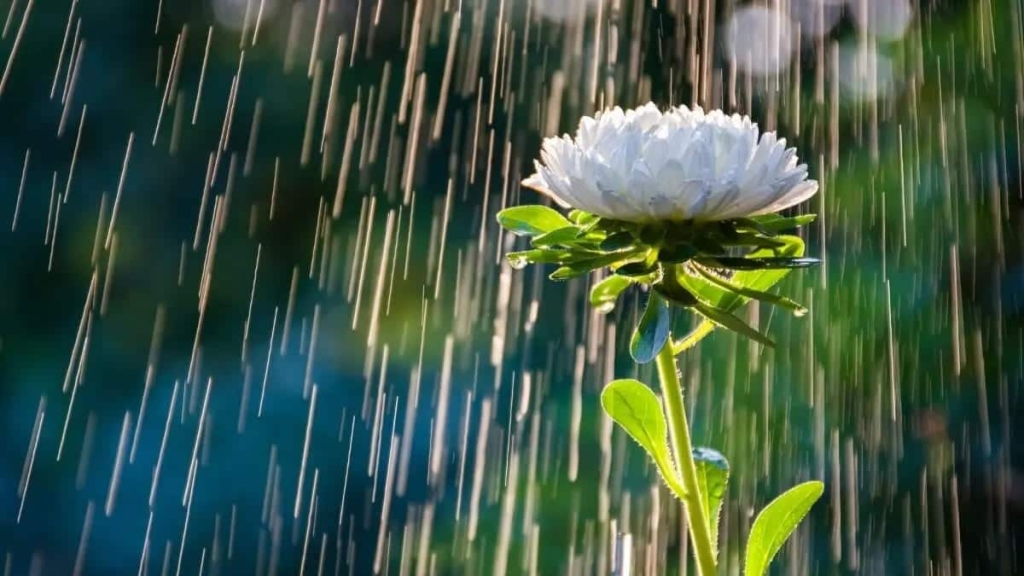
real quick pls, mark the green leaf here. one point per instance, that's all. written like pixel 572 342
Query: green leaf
pixel 586 265
pixel 580 217
pixel 673 291
pixel 705 293
pixel 768 297
pixel 730 322
pixel 773 223
pixel 652 234
pixel 609 227
pixel 531 220
pixel 708 244
pixel 698 286
pixel 757 239
pixel 713 479
pixel 693 338
pixel 761 280
pixel 604 294
pixel 566 235
pixel 637 269
pixel 636 408
pixel 748 263
pixel 519 260
pixel 677 254
pixel 618 241
pixel 776 522
pixel 652 332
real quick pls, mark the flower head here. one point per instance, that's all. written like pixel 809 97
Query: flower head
pixel 645 165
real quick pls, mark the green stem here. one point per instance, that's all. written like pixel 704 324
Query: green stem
pixel 682 451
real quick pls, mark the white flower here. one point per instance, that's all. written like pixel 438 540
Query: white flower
pixel 644 165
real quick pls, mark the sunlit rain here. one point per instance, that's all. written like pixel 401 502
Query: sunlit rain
pixel 257 317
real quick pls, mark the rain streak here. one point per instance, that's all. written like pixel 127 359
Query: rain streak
pixel 256 315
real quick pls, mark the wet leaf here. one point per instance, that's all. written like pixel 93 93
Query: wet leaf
pixel 565 236
pixel 605 293
pixel 586 264
pixel 519 260
pixel 752 293
pixel 531 220
pixel 774 224
pixel 652 332
pixel 581 218
pixel 761 280
pixel 636 408
pixel 713 479
pixel 748 263
pixel 736 238
pixel 776 522
pixel 730 322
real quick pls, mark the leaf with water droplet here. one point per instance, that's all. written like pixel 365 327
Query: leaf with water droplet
pixel 531 220
pixel 652 332
pixel 519 260
pixel 776 522
pixel 605 293
pixel 713 479
pixel 636 408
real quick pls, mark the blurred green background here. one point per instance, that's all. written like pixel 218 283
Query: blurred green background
pixel 900 390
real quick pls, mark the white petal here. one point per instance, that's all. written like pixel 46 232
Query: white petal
pixel 643 164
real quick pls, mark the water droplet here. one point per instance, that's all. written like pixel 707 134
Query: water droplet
pixel 517 261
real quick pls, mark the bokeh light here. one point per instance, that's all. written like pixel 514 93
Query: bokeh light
pixel 883 19
pixel 563 10
pixel 865 73
pixel 239 14
pixel 815 17
pixel 760 40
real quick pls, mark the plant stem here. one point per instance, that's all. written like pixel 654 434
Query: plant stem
pixel 682 451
